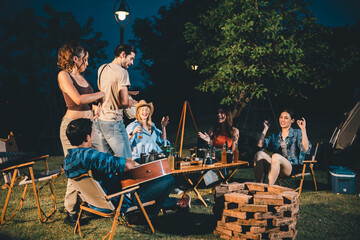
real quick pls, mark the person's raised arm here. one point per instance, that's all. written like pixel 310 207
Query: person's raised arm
pixel 235 139
pixel 67 86
pixel 302 126
pixel 263 134
pixel 164 122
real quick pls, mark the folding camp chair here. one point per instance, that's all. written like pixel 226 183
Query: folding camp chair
pixel 91 193
pixel 11 163
pixel 306 163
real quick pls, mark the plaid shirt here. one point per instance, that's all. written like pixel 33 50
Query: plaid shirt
pixel 104 166
pixel 295 150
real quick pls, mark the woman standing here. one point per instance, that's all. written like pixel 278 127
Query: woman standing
pixel 78 96
pixel 143 132
pixel 289 148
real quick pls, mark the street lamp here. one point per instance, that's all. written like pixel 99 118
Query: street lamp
pixel 122 16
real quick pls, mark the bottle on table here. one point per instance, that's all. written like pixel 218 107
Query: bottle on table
pixel 142 155
pixel 171 159
pixel 177 162
pixel 236 154
pixel 224 154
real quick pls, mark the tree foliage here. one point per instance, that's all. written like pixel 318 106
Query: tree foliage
pixel 247 48
pixel 28 63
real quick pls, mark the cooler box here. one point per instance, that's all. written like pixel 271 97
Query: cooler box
pixel 342 180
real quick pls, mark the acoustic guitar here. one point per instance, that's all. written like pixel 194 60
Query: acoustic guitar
pixel 146 172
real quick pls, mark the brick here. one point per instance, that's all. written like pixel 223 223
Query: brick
pixel 268 199
pixel 287 207
pixel 253 222
pixel 237 198
pixel 290 196
pixel 257 229
pixel 268 215
pixel 244 192
pixel 282 234
pixel 225 237
pixel 263 193
pixel 275 189
pixel 253 208
pixel 235 187
pixel 292 226
pixel 235 227
pixel 258 187
pixel 248 235
pixel 234 213
pixel 284 221
pixel 224 231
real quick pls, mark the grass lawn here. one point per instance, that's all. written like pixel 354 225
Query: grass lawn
pixel 323 215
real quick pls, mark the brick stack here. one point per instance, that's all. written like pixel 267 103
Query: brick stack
pixel 256 211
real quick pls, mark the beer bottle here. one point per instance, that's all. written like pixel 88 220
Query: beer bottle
pixel 171 159
pixel 142 155
pixel 223 154
pixel 177 162
pixel 236 154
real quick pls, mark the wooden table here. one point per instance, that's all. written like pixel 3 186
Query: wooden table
pixel 203 169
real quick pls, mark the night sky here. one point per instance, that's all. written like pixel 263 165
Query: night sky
pixel 328 12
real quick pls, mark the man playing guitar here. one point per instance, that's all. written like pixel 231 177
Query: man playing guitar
pixel 108 169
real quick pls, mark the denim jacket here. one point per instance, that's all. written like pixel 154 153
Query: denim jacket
pixel 295 150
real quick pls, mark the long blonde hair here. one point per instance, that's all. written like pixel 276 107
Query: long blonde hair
pixel 148 121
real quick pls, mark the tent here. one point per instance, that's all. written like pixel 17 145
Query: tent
pixel 347 132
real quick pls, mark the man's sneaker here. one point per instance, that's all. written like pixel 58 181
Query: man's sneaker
pixel 71 219
pixel 177 191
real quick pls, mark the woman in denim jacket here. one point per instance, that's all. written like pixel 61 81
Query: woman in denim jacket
pixel 289 148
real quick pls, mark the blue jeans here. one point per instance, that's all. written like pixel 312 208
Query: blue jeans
pixel 113 138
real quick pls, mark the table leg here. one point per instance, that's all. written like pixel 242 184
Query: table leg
pixel 194 187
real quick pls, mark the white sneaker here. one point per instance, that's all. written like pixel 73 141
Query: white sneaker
pixel 177 191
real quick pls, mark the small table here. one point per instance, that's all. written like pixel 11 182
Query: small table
pixel 187 170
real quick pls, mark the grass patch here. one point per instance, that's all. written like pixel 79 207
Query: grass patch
pixel 323 215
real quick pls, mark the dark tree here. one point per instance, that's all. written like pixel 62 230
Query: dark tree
pixel 31 102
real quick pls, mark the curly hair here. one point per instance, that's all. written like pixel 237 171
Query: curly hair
pixel 66 54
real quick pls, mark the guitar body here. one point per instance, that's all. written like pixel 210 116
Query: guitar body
pixel 146 172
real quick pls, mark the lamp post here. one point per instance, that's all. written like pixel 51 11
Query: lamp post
pixel 122 16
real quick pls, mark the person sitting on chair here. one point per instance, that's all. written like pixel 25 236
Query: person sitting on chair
pixel 289 148
pixel 143 133
pixel 222 132
pixel 107 170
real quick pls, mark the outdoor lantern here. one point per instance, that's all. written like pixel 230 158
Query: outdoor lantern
pixel 122 16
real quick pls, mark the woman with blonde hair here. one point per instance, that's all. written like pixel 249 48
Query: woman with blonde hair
pixel 143 133
pixel 78 96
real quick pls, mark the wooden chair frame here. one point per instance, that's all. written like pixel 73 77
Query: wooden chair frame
pixel 17 180
pixel 310 165
pixel 106 201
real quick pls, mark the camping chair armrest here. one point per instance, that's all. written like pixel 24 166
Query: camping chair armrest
pixel 310 161
pixel 39 158
pixel 18 166
pixel 122 192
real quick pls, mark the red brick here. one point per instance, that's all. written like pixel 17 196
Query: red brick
pixel 253 222
pixel 235 227
pixel 234 213
pixel 237 198
pixel 268 199
pixel 284 221
pixel 248 235
pixel 257 229
pixel 268 215
pixel 258 187
pixel 290 196
pixel 235 187
pixel 275 189
pixel 253 208
pixel 224 231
